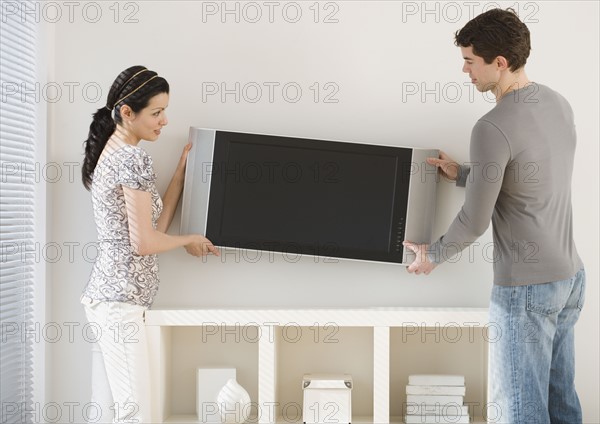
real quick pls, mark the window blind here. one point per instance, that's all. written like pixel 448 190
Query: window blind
pixel 17 202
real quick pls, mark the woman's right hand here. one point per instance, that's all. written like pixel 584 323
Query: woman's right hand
pixel 180 170
pixel 201 246
pixel 447 166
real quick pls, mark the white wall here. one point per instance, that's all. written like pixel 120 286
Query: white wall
pixel 373 54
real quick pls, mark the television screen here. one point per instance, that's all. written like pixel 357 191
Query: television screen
pixel 305 196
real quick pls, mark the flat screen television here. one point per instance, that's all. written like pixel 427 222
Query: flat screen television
pixel 312 197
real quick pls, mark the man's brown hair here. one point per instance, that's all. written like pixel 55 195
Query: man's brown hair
pixel 494 33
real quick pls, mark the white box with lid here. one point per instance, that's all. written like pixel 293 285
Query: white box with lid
pixel 327 398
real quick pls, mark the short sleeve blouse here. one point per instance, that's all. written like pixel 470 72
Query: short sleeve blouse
pixel 119 274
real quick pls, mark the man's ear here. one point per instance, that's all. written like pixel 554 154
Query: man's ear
pixel 502 63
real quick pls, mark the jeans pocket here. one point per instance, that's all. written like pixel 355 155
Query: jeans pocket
pixel 581 299
pixel 548 298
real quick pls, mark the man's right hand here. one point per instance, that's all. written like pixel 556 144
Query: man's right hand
pixel 447 166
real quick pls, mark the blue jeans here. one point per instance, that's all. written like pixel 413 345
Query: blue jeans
pixel 531 377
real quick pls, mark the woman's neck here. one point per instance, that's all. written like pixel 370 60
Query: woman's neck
pixel 125 136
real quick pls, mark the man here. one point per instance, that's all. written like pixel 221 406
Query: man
pixel 521 161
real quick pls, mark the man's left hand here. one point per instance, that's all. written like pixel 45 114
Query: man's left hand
pixel 421 264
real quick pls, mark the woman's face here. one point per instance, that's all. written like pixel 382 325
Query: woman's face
pixel 147 123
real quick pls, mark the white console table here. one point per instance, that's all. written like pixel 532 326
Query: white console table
pixel 267 322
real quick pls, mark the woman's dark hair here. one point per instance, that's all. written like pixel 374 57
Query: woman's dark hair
pixel 496 33
pixel 134 87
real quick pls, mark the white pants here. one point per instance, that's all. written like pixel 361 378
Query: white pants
pixel 120 365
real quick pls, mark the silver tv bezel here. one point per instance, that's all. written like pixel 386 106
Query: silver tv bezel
pixel 420 213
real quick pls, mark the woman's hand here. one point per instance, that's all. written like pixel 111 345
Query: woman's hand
pixel 201 246
pixel 447 166
pixel 180 170
pixel 173 193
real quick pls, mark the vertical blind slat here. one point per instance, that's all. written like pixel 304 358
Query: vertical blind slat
pixel 18 44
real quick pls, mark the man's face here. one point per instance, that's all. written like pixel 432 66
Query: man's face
pixel 484 76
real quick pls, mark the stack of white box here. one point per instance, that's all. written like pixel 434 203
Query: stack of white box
pixel 436 399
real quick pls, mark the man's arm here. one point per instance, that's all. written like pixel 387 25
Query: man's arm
pixel 463 173
pixel 489 147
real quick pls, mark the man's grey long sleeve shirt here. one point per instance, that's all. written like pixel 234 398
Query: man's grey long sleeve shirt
pixel 519 177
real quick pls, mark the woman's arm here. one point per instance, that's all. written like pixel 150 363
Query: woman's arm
pixel 173 193
pixel 145 240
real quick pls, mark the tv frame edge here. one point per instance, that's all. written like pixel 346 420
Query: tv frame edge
pixel 421 202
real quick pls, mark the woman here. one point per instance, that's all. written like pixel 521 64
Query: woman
pixel 131 221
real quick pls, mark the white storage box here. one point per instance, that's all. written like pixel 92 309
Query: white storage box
pixel 327 398
pixel 209 383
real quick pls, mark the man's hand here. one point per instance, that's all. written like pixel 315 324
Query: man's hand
pixel 447 166
pixel 421 264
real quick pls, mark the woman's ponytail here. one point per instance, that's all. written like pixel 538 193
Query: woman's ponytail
pixel 101 129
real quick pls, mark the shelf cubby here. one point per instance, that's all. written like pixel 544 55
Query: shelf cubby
pixel 271 349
